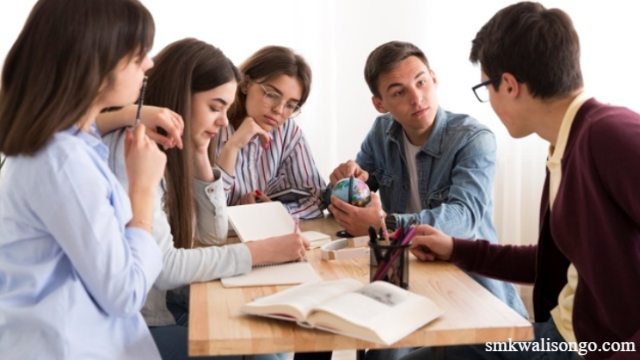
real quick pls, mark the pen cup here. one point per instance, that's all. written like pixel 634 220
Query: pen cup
pixel 389 262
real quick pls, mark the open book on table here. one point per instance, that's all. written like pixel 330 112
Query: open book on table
pixel 378 312
pixel 259 221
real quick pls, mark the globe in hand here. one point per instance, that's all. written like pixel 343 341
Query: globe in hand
pixel 360 193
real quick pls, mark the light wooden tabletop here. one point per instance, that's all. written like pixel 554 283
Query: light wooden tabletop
pixel 471 313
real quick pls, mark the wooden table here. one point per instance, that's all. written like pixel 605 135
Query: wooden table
pixel 471 313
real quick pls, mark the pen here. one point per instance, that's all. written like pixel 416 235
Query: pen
pixel 373 238
pixel 296 221
pixel 141 100
pixel 383 268
pixel 383 226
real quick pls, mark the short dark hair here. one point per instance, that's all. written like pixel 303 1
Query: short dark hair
pixel 66 50
pixel 539 46
pixel 267 63
pixel 385 57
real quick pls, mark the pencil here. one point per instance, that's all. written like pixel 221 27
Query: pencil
pixel 141 100
pixel 383 226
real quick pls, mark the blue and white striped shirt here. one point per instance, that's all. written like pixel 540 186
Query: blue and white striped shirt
pixel 73 277
pixel 287 163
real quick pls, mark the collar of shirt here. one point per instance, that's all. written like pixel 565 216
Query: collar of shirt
pixel 91 138
pixel 433 146
pixel 556 151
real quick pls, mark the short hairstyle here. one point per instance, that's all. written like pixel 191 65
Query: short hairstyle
pixel 385 57
pixel 539 46
pixel 66 50
pixel 182 69
pixel 268 63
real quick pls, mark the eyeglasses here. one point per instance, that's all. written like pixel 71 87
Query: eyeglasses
pixel 272 100
pixel 481 91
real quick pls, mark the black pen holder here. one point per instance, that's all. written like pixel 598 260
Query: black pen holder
pixel 389 261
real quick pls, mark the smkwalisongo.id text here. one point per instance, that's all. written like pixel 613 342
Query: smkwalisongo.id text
pixel 582 348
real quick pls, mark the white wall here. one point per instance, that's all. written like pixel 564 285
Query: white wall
pixel 336 37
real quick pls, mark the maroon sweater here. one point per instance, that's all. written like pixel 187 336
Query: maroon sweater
pixel 595 224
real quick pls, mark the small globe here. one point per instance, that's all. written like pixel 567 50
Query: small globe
pixel 360 193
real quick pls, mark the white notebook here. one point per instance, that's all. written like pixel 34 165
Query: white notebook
pixel 276 274
pixel 264 220
pixel 261 220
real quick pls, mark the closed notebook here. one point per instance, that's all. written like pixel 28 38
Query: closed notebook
pixel 264 220
pixel 290 273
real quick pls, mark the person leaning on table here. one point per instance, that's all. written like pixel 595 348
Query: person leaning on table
pixel 585 268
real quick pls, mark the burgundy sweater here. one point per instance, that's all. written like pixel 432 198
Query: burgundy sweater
pixel 595 224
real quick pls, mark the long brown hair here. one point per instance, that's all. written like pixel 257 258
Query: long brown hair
pixel 182 69
pixel 53 72
pixel 267 63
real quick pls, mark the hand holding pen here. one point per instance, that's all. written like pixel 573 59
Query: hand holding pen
pixel 430 244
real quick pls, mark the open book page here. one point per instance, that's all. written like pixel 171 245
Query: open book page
pixel 378 312
pixel 298 301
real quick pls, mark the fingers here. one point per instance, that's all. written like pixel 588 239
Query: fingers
pixel 139 133
pixel 262 196
pixel 351 168
pixel 338 204
pixel 305 243
pixel 375 201
pixel 344 170
pixel 128 139
pixel 265 139
pixel 249 198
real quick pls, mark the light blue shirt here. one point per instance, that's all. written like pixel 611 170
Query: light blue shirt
pixel 73 277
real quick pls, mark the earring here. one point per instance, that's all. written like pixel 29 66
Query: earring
pixel 244 91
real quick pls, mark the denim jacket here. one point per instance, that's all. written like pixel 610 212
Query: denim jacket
pixel 456 168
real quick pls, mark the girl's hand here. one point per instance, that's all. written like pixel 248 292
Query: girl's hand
pixel 248 130
pixel 145 163
pixel 163 126
pixel 278 249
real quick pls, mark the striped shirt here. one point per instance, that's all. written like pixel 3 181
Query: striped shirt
pixel 287 163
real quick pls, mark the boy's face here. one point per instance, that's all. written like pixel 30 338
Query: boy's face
pixel 507 103
pixel 408 92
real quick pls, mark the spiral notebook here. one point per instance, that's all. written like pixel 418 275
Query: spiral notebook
pixel 264 220
pixel 288 273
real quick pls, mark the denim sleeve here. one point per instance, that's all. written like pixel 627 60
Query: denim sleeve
pixel 468 203
pixel 366 158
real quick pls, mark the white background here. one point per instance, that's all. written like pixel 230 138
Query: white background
pixel 336 37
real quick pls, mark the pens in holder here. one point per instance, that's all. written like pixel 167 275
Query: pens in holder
pixel 383 226
pixel 383 268
pixel 141 100
pixel 373 239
